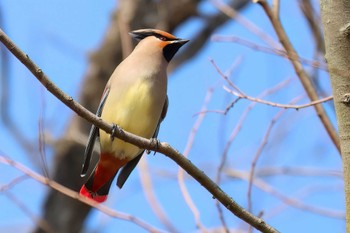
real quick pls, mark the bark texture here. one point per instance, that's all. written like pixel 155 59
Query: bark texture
pixel 336 23
pixel 62 213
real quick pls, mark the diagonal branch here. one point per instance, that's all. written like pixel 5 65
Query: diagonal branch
pixel 289 200
pixel 269 50
pixel 313 21
pixel 185 193
pixel 299 70
pixel 212 23
pixel 162 147
pixel 258 154
pixel 151 197
pixel 70 193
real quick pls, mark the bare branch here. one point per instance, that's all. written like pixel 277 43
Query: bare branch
pixel 235 132
pixel 306 192
pixel 70 193
pixel 274 51
pixel 186 152
pixel 147 185
pixel 299 70
pixel 5 97
pixel 314 23
pixel 297 171
pixel 291 201
pixel 239 126
pixel 276 8
pixel 232 13
pixel 39 222
pixel 13 182
pixel 241 95
pixel 260 150
pixel 163 147
pixel 212 22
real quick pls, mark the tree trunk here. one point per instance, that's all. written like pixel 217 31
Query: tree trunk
pixel 336 23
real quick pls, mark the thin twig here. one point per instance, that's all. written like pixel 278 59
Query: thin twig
pixel 13 182
pixel 258 154
pixel 240 123
pixel 148 188
pixel 37 220
pixel 264 49
pixel 70 193
pixel 232 13
pixel 299 70
pixel 241 95
pixel 237 129
pixel 225 77
pixel 41 136
pixel 297 171
pixel 314 23
pixel 210 24
pixel 291 201
pixel 190 141
pixel 162 147
pixel 305 192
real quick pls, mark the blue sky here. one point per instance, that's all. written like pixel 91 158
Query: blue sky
pixel 58 36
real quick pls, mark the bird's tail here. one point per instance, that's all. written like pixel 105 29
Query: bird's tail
pixel 98 185
pixel 99 195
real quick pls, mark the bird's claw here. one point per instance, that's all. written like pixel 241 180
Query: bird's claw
pixel 156 142
pixel 114 129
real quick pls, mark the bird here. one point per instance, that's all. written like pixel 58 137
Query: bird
pixel 134 99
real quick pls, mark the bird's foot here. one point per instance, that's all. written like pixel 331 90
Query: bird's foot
pixel 156 142
pixel 115 128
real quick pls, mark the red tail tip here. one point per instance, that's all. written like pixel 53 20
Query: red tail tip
pixel 91 195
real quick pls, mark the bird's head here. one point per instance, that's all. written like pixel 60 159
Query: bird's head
pixel 161 39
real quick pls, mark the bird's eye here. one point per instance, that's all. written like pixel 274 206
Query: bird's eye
pixel 163 38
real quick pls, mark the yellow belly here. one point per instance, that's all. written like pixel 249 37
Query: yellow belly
pixel 136 110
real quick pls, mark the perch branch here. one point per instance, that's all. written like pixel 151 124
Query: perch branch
pixel 162 147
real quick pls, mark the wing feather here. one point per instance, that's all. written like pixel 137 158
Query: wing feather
pixel 94 133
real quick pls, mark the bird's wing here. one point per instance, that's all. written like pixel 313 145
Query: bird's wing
pixel 94 132
pixel 129 167
pixel 162 116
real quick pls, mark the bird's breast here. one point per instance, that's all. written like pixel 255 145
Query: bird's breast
pixel 136 107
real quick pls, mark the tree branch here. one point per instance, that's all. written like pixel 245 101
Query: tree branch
pixel 162 147
pixel 299 70
pixel 70 193
pixel 275 51
pixel 278 105
pixel 336 21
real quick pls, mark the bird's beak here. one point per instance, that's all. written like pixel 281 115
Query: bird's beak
pixel 180 41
